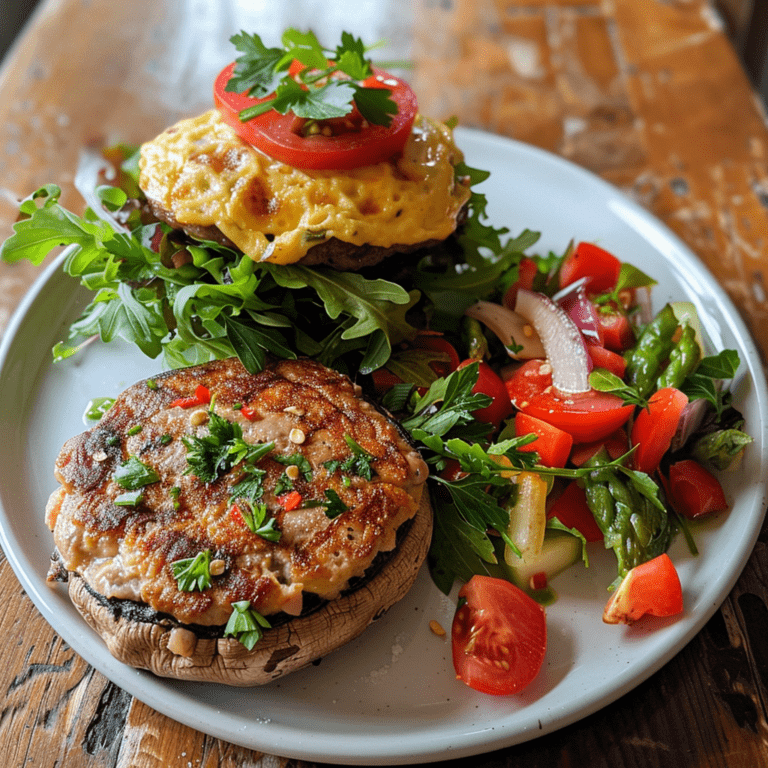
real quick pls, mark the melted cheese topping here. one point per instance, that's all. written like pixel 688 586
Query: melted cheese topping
pixel 205 175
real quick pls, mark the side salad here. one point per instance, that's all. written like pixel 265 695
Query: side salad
pixel 553 407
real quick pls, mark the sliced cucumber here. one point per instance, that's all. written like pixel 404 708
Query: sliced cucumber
pixel 559 551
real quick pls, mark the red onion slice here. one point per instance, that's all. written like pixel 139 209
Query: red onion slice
pixel 573 299
pixel 514 331
pixel 562 341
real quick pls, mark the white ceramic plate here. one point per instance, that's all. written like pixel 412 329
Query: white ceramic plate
pixel 390 697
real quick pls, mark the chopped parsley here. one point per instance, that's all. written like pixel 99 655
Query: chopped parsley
pixel 133 474
pixel 329 84
pixel 130 498
pixel 245 624
pixel 357 463
pixel 333 504
pixel 297 460
pixel 193 573
pixel 256 519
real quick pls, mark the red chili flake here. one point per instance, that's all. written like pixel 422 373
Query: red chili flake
pixel 202 396
pixel 290 500
pixel 236 515
pixel 184 402
pixel 249 413
pixel 539 580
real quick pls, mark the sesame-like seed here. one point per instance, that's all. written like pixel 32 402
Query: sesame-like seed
pixel 437 628
pixel 292 471
pixel 528 330
pixel 99 456
pixel 217 567
pixel 198 418
pixel 504 650
pixel 297 436
pixel 505 665
pixel 294 409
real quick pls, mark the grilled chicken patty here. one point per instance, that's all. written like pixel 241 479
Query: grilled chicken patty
pixel 334 477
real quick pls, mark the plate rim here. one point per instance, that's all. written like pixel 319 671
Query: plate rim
pixel 479 741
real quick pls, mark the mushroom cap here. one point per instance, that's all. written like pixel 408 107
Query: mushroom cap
pixel 176 651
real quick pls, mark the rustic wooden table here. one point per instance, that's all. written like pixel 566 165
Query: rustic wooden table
pixel 648 94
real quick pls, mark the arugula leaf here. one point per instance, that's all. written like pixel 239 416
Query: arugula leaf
pixel 133 474
pixel 374 305
pixel 245 624
pixel 193 573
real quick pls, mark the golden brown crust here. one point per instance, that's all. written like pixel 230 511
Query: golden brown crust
pixel 127 551
pixel 172 651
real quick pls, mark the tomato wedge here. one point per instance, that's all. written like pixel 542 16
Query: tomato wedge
pixel 499 636
pixel 594 263
pixel 694 491
pixel 655 427
pixel 490 383
pixel 586 416
pixel 435 343
pixel 552 444
pixel 651 588
pixel 572 510
pixel 276 134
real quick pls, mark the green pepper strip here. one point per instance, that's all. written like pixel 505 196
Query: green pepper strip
pixel 683 358
pixel 652 349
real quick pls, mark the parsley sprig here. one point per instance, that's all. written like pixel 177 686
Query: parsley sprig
pixel 328 86
pixel 193 573
pixel 245 624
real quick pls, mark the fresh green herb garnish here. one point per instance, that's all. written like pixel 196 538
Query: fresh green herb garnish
pixel 134 430
pixel 130 498
pixel 246 625
pixel 297 460
pixel 358 463
pixel 257 521
pixel 320 94
pixel 97 407
pixel 333 504
pixel 193 573
pixel 133 474
pixel 605 381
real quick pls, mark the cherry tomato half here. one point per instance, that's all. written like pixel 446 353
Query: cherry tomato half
pixel 276 135
pixel 586 417
pixel 499 636
pixel 435 343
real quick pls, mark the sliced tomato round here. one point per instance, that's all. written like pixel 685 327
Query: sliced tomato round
pixel 587 416
pixel 277 136
pixel 588 260
pixel 499 636
pixel 489 383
